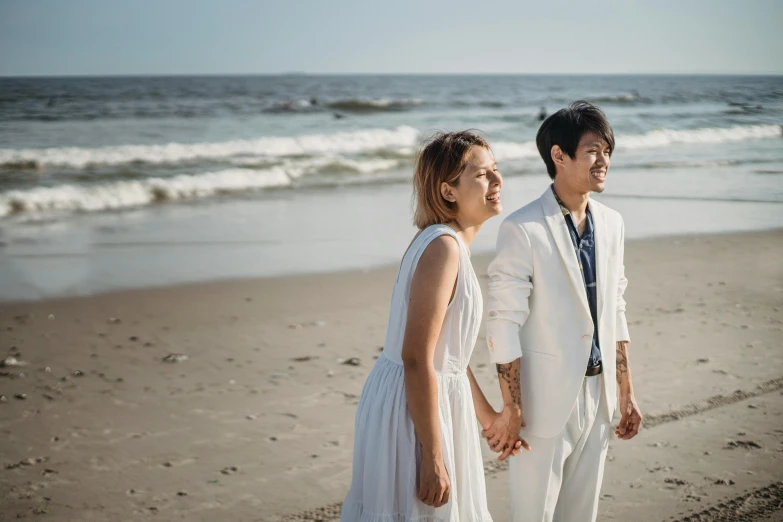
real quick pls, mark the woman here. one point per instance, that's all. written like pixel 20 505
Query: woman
pixel 416 452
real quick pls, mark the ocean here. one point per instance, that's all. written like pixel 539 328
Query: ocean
pixel 118 182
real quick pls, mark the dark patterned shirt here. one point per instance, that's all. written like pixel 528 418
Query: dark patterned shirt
pixel 584 248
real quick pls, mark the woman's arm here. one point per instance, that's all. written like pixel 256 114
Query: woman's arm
pixel 432 288
pixel 485 413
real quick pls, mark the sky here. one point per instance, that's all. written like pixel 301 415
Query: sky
pixel 162 37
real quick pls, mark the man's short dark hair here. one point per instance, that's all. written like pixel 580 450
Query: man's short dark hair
pixel 567 126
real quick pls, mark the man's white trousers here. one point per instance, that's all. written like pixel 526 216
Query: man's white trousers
pixel 559 480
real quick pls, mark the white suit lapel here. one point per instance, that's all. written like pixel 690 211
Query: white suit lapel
pixel 601 254
pixel 557 225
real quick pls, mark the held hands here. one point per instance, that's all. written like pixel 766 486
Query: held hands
pixel 502 433
pixel 434 483
pixel 631 417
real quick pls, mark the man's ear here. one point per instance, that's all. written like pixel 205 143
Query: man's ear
pixel 558 156
pixel 447 192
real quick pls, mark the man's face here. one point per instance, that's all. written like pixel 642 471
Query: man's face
pixel 586 171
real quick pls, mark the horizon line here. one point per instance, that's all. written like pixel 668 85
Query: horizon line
pixel 297 73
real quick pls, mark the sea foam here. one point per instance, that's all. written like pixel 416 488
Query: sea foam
pixel 313 144
pixel 127 194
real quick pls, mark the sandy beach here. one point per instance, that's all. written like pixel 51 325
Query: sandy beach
pixel 235 400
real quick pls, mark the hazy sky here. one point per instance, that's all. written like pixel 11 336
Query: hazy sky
pixel 88 37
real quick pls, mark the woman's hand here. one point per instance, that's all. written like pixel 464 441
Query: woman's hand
pixel 434 483
pixel 502 433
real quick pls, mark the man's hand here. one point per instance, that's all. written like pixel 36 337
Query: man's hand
pixel 503 433
pixel 631 417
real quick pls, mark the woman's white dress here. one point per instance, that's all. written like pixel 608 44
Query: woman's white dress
pixel 386 450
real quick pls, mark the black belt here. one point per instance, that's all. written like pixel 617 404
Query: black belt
pixel 592 371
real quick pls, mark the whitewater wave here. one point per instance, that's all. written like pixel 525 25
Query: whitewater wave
pixel 117 195
pixel 402 140
pixel 377 150
pixel 324 164
pixel 370 105
pixel 128 194
pixel 621 99
pixel 509 150
pixel 661 137
pixel 506 150
pixel 343 165
pixel 338 143
pixel 356 105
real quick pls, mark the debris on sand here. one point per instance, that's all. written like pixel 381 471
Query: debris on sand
pixel 32 461
pixel 12 362
pixel 748 444
pixel 175 358
pixel 724 482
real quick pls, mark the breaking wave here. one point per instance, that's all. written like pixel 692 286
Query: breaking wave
pixel 375 105
pixel 661 137
pixel 128 194
pixel 338 143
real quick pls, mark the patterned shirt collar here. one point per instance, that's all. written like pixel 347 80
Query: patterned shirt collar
pixel 563 208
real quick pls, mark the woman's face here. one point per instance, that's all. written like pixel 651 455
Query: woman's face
pixel 478 192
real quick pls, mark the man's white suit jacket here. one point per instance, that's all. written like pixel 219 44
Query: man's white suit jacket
pixel 538 310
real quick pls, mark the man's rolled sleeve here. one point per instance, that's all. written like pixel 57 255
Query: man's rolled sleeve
pixel 510 284
pixel 621 332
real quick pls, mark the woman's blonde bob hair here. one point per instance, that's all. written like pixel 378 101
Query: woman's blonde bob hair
pixel 442 159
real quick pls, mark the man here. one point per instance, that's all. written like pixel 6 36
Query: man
pixel 556 327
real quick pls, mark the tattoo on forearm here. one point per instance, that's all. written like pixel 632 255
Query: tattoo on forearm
pixel 509 373
pixel 622 360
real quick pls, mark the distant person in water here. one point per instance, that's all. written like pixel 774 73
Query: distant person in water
pixel 417 454
pixel 542 114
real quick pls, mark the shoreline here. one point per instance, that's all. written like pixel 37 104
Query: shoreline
pixel 482 255
pixel 306 232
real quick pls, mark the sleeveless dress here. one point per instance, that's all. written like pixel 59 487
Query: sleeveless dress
pixel 386 449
